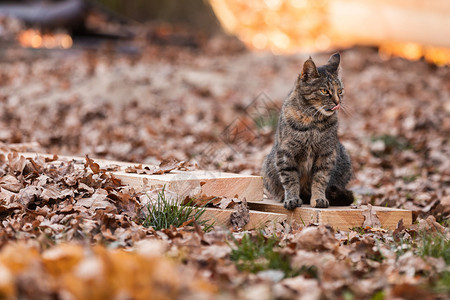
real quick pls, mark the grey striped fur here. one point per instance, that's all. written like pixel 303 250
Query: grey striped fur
pixel 307 163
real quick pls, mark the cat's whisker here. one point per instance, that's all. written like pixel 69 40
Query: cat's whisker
pixel 316 113
pixel 346 110
pixel 319 110
pixel 310 109
pixel 347 107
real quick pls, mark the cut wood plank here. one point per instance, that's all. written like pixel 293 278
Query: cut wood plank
pixel 197 183
pixel 258 219
pixel 339 217
pixel 203 184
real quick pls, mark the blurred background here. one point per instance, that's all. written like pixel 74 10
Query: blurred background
pixel 145 80
pixel 408 28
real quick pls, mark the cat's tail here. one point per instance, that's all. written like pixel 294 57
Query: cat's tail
pixel 339 196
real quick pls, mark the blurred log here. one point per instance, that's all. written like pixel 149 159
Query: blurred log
pixel 376 22
pixel 67 14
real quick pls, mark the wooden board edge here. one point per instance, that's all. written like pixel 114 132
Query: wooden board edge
pixel 249 187
pixel 341 219
pixel 258 219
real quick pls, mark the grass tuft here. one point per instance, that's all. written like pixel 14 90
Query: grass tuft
pixel 428 245
pixel 393 142
pixel 442 286
pixel 434 245
pixel 258 253
pixel 164 213
pixel 267 121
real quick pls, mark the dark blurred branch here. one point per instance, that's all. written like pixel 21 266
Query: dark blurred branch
pixel 196 14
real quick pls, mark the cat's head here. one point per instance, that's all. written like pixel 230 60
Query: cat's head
pixel 321 88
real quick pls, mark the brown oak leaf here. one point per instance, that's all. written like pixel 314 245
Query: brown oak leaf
pixel 370 218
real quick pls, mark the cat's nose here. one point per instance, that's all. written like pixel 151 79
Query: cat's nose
pixel 336 99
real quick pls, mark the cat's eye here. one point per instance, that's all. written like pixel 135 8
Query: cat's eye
pixel 341 91
pixel 325 92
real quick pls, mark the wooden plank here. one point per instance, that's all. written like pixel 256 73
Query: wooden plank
pixel 258 219
pixel 204 184
pixel 339 217
pixel 197 183
pixel 201 183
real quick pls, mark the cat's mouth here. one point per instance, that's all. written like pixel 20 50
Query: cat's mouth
pixel 337 107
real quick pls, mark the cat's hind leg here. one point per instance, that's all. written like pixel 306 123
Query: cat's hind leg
pixel 339 196
pixel 272 184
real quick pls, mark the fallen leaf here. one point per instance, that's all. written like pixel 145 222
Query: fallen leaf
pixel 6 197
pixel 215 252
pixel 228 203
pixel 397 232
pixel 55 193
pixel 16 162
pixel 410 291
pixel 370 218
pixel 240 216
pixel 168 165
pixel 317 238
pixel 92 165
pixel 29 195
pixel 50 159
pixel 430 225
pixel 11 183
pixel 297 288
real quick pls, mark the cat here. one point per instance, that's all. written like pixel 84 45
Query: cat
pixel 307 163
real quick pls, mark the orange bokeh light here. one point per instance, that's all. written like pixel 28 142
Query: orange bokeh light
pixel 288 26
pixel 33 38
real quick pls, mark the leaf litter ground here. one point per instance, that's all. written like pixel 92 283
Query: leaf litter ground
pixel 77 233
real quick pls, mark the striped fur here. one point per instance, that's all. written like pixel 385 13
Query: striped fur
pixel 307 164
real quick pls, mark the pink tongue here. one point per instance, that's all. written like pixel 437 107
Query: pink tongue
pixel 336 107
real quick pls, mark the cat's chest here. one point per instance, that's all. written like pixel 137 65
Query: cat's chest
pixel 311 148
pixel 312 145
pixel 314 140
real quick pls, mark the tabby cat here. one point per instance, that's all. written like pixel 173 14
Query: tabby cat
pixel 307 163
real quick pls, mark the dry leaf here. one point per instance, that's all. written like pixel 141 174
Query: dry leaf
pixel 430 225
pixel 92 165
pixel 29 195
pixel 317 238
pixel 370 218
pixel 6 197
pixel 10 183
pixel 50 159
pixel 240 216
pixel 297 288
pixel 228 203
pixel 17 162
pixel 168 165
pixel 55 193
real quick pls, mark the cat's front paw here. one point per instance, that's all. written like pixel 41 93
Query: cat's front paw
pixel 320 203
pixel 291 203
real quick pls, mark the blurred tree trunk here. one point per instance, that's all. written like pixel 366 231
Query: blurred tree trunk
pixel 195 13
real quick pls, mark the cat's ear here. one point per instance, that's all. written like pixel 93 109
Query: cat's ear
pixel 309 70
pixel 333 62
